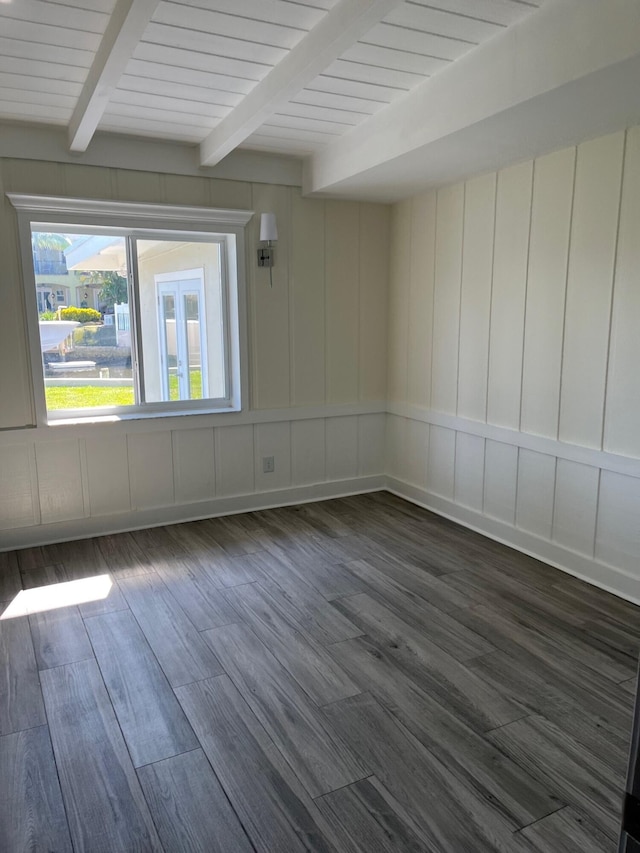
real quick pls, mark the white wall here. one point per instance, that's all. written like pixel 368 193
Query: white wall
pixel 317 344
pixel 514 353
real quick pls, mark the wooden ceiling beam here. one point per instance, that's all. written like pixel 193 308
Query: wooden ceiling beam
pixel 343 25
pixel 124 30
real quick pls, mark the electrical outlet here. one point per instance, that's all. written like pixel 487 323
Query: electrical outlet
pixel 268 465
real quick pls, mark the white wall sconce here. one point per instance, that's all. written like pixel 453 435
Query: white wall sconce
pixel 268 236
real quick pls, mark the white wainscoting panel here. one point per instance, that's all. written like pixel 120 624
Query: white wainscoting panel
pixel 308 455
pixel 576 506
pixel 511 248
pixel 500 480
pixel 107 473
pixel 446 299
pixel 417 452
pixel 536 489
pixel 342 447
pixel 17 498
pixel 622 419
pixel 150 469
pixel 441 464
pixel 194 464
pixel 469 477
pixel 273 440
pixel 371 444
pixel 475 300
pixel 591 264
pixel 546 289
pixel 60 480
pixel 618 531
pixel 422 235
pixel 235 471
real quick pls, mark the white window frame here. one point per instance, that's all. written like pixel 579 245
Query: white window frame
pixel 162 221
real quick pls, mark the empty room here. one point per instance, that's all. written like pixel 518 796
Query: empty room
pixel 319 426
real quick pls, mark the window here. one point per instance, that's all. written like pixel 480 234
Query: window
pixel 154 323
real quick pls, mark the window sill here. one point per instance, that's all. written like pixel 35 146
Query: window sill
pixel 137 416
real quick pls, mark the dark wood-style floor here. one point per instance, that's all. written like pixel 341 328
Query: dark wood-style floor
pixel 352 675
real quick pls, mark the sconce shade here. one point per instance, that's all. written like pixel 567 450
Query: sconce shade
pixel 268 227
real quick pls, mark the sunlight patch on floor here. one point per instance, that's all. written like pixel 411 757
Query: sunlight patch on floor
pixel 57 595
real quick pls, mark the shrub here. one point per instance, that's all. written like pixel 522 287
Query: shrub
pixel 80 315
pixel 94 336
pixel 48 315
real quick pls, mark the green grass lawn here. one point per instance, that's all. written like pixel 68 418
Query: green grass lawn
pixel 90 397
pixel 87 397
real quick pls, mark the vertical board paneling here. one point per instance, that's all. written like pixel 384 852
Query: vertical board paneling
pixel 231 194
pixel 15 384
pixel 618 531
pixel 475 297
pixel 396 459
pixel 182 189
pixel 342 447
pixel 307 301
pixel 194 464
pixel 371 442
pixel 88 181
pixel 234 460
pixel 536 486
pixel 59 480
pixel 513 211
pixel 342 256
pixel 446 299
pixel 546 288
pixel 417 452
pixel 374 290
pixel 399 300
pixel 441 461
pixel 469 474
pixel 107 473
pixel 34 176
pixel 589 283
pixel 270 384
pixel 575 506
pixel 622 417
pixel 500 480
pixel 138 186
pixel 423 236
pixel 16 498
pixel 307 452
pixel 150 469
pixel 273 440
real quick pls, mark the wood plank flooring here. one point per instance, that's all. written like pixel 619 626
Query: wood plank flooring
pixel 356 676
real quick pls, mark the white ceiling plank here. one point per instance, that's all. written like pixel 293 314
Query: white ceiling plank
pixel 277 132
pixel 347 21
pixel 53 71
pixel 135 111
pixel 231 26
pixel 202 94
pixel 162 102
pixel 228 48
pixel 317 111
pixel 45 52
pixel 43 112
pixel 333 100
pixel 39 84
pixel 340 85
pixel 104 6
pixel 272 11
pixel 153 72
pixel 168 129
pixel 429 20
pixel 291 122
pixel 257 142
pixel 181 58
pixel 55 15
pixel 370 72
pixel 31 96
pixel 37 34
pixel 504 12
pixel 413 42
pixel 124 31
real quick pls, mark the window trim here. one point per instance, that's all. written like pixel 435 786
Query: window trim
pixel 165 219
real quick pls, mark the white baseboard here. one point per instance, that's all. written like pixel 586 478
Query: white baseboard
pixel 85 528
pixel 603 575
